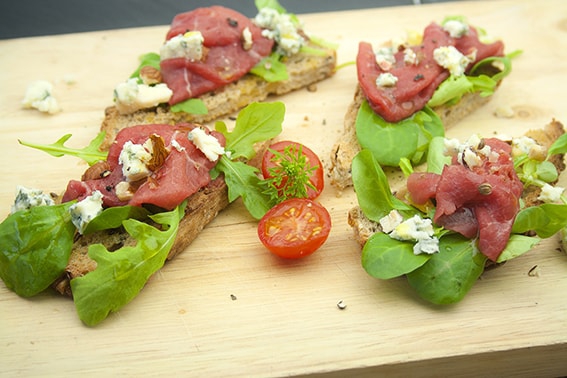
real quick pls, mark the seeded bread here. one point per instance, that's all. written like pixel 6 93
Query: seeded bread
pixel 346 148
pixel 303 70
pixel 364 228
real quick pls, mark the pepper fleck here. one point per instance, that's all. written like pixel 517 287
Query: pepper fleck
pixel 108 188
pixel 232 22
pixel 418 77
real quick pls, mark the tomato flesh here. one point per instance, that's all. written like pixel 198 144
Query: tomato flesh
pixel 295 228
pixel 269 162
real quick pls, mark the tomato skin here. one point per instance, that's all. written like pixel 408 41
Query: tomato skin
pixel 317 178
pixel 295 228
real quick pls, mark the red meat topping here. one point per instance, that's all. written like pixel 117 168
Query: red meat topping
pixel 225 60
pixel 184 171
pixel 416 82
pixel 480 201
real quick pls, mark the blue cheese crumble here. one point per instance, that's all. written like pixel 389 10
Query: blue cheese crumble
pixel 39 95
pixel 281 28
pixel 131 96
pixel 27 198
pixel 86 210
pixel 386 80
pixel 134 159
pixel 206 143
pixel 456 28
pixel 452 59
pixel 417 229
pixel 188 46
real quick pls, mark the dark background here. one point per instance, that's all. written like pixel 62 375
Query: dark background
pixel 27 18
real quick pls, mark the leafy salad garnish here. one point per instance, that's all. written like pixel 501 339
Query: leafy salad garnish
pixel 444 277
pixel 35 244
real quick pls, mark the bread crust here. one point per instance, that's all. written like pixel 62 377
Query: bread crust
pixel 303 71
pixel 346 147
pixel 364 228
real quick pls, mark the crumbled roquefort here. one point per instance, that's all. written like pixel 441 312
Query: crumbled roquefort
pixel 386 80
pixel 385 58
pixel 456 28
pixel 452 59
pixel 281 28
pixel 247 38
pixel 131 96
pixel 39 95
pixel 206 143
pixel 86 210
pixel 134 159
pixel 415 229
pixel 27 198
pixel 188 46
pixel 550 193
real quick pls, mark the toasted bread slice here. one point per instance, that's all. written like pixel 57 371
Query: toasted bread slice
pixel 347 145
pixel 364 228
pixel 303 70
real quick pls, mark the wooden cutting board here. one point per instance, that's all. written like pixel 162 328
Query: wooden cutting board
pixel 226 307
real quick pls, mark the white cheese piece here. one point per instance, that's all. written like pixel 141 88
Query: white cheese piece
pixel 206 143
pixel 131 96
pixel 281 28
pixel 410 57
pixel 455 28
pixel 27 198
pixel 39 95
pixel 452 59
pixel 385 58
pixel 86 210
pixel 550 194
pixel 419 230
pixel 134 159
pixel 386 80
pixel 247 38
pixel 391 221
pixel 527 146
pixel 188 46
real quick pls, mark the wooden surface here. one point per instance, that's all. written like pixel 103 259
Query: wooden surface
pixel 226 307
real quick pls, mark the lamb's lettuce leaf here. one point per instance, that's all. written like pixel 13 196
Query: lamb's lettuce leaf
pixel 120 275
pixel 35 246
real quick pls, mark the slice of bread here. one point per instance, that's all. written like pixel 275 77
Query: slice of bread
pixel 364 228
pixel 347 145
pixel 303 70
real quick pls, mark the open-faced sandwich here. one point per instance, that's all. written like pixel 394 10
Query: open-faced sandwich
pixel 476 204
pixel 411 90
pixel 214 61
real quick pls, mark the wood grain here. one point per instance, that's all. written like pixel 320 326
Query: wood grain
pixel 225 306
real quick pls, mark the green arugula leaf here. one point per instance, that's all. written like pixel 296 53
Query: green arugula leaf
pixel 385 258
pixel 243 181
pixel 436 158
pixel 273 4
pixel 91 154
pixel 558 147
pixel 271 68
pixel 150 59
pixel 120 275
pixel 373 190
pixel 257 122
pixel 190 106
pixel 35 246
pixel 382 138
pixel 450 274
pixel 113 217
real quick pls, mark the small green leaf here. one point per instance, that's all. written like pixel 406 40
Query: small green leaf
pixel 190 106
pixel 35 246
pixel 385 258
pixel 559 146
pixel 450 274
pixel 517 246
pixel 113 217
pixel 546 219
pixel 149 59
pixel 372 188
pixel 243 181
pixel 272 4
pixel 91 154
pixel 255 123
pixel 271 69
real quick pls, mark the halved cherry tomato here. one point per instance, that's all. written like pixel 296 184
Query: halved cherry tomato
pixel 295 228
pixel 270 162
